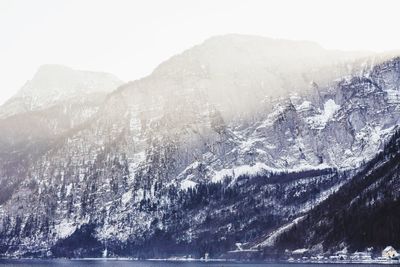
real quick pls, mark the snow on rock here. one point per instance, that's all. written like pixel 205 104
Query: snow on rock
pixel 69 188
pixel 320 120
pixel 65 229
pixel 306 105
pixel 186 184
pixel 126 197
pixel 235 172
pixel 300 251
pixel 260 169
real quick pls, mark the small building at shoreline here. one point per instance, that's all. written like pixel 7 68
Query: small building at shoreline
pixel 389 253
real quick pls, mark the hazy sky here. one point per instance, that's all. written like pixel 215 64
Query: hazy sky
pixel 130 38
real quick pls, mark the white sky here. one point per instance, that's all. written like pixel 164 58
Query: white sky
pixel 130 38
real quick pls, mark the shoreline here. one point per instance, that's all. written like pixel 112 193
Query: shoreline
pixel 232 261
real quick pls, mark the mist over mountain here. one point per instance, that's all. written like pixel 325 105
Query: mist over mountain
pixel 225 143
pixel 236 71
pixel 56 84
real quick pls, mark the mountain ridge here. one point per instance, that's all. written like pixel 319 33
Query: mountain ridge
pixel 53 84
pixel 119 175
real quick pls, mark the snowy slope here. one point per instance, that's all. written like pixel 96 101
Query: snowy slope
pixel 207 114
pixel 363 214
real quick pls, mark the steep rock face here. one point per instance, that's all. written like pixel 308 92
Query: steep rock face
pixel 53 103
pixel 363 214
pixel 115 176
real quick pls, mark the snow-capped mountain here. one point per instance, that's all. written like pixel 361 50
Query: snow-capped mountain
pixel 57 84
pixel 56 100
pixel 53 103
pixel 245 131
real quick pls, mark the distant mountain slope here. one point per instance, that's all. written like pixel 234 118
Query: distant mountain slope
pixel 56 84
pixel 364 213
pixel 55 101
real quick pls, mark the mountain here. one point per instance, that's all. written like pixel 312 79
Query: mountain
pixel 56 84
pixel 56 100
pixel 363 214
pixel 225 143
pixel 236 71
pixel 53 103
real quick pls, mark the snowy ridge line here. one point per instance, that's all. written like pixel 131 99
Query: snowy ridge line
pixel 271 238
pixel 249 170
pixel 261 169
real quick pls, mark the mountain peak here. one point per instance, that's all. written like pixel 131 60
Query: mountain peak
pixel 53 67
pixel 235 71
pixel 53 83
pixel 246 39
pixel 54 75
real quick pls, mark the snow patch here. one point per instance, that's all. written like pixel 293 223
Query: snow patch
pixel 320 120
pixel 235 172
pixel 65 229
pixel 260 168
pixel 186 184
pixel 126 198
pixel 69 188
pixel 300 251
pixel 306 105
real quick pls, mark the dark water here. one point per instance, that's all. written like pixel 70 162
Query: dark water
pixel 126 263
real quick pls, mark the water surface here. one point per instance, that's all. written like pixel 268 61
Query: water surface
pixel 126 263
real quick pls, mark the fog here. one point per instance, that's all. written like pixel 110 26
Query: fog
pixel 130 38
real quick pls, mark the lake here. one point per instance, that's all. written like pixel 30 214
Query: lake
pixel 126 263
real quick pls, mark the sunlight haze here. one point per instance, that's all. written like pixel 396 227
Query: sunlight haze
pixel 130 38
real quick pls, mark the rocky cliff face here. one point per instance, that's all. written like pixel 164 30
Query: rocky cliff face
pixel 54 103
pixel 233 107
pixel 363 214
